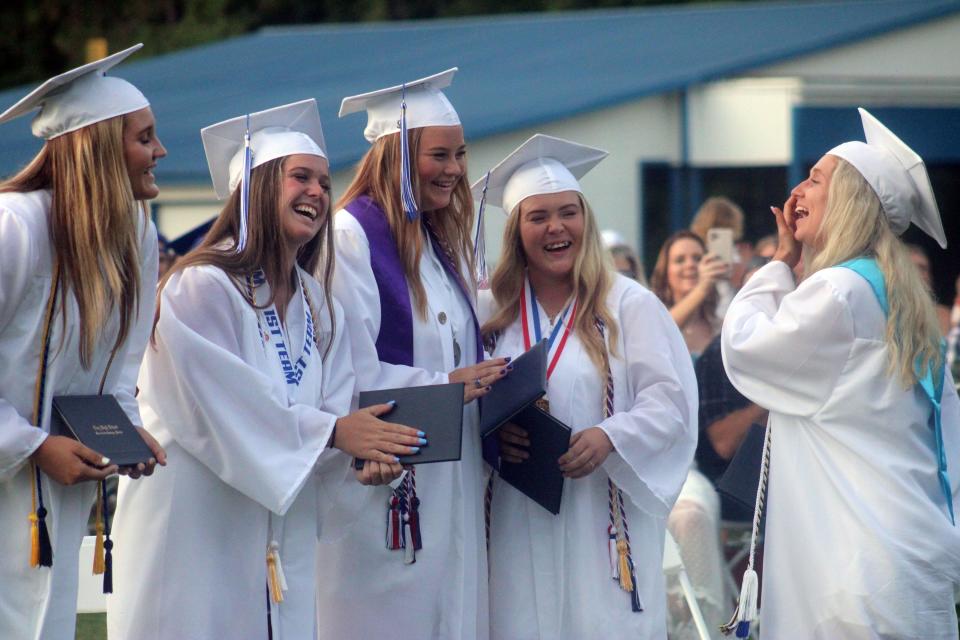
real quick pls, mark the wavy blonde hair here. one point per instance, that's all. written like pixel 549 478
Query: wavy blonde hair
pixel 378 176
pixel 93 225
pixel 265 244
pixel 854 225
pixel 592 278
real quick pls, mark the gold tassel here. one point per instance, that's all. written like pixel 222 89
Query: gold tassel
pixel 273 579
pixel 626 580
pixel 34 539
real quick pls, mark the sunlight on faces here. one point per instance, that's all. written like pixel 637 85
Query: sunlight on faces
pixel 441 165
pixel 811 195
pixel 141 150
pixel 305 198
pixel 551 232
pixel 683 263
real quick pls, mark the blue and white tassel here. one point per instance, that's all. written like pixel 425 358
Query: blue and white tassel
pixel 406 186
pixel 479 242
pixel 245 190
pixel 746 612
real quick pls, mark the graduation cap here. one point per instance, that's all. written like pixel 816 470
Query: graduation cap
pixel 542 164
pixel 898 177
pixel 79 97
pixel 274 133
pixel 236 146
pixel 397 109
pixel 182 244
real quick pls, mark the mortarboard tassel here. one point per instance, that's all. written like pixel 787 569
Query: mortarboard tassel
pixel 479 242
pixel 40 547
pixel 273 579
pixel 406 186
pixel 415 523
pixel 245 190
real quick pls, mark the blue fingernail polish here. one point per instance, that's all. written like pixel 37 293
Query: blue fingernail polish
pixel 421 433
pixel 414 449
pixel 423 441
pixel 508 358
pixel 392 403
pixel 396 459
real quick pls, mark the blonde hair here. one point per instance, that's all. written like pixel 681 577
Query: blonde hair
pixel 265 244
pixel 93 225
pixel 854 225
pixel 378 176
pixel 592 278
pixel 718 211
pixel 659 282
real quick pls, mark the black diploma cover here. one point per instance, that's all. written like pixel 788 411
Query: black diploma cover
pixel 742 477
pixel 436 409
pixel 519 389
pixel 101 424
pixel 539 476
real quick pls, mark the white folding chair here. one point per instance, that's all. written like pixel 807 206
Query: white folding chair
pixel 673 566
pixel 90 596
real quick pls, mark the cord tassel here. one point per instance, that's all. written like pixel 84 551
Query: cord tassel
pixel 273 579
pixel 746 611
pixel 108 565
pixel 626 579
pixel 612 553
pixel 34 540
pixel 45 557
pixel 409 552
pixel 99 565
pixel 415 523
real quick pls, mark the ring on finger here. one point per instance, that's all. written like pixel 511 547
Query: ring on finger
pixel 477 383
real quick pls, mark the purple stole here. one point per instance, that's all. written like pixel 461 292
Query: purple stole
pixel 395 340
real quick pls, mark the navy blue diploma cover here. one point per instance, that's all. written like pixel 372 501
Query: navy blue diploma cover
pixel 435 409
pixel 520 388
pixel 539 476
pixel 101 424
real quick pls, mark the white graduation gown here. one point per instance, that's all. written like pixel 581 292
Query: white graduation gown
pixel 365 589
pixel 858 542
pixel 42 602
pixel 243 452
pixel 550 576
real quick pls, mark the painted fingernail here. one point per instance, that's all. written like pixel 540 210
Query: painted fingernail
pixel 488 388
pixel 414 449
pixel 503 371
pixel 104 461
pixel 773 209
pixel 396 459
pixel 421 433
pixel 509 367
pixel 508 359
pixel 392 403
pixel 423 441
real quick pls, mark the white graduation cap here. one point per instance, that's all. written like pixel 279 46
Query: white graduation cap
pixel 274 133
pixel 79 97
pixel 425 102
pixel 898 177
pixel 542 164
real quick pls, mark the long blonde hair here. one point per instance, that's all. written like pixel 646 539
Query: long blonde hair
pixel 592 277
pixel 378 176
pixel 854 225
pixel 265 245
pixel 93 225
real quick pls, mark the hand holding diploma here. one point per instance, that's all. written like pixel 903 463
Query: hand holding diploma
pixel 477 379
pixel 588 450
pixel 362 435
pixel 69 462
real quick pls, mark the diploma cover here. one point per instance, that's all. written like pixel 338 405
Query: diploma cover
pixel 519 389
pixel 539 477
pixel 435 409
pixel 101 424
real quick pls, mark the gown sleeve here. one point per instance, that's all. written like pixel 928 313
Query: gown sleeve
pixel 654 440
pixel 126 387
pixel 18 265
pixel 222 409
pixel 785 347
pixel 356 288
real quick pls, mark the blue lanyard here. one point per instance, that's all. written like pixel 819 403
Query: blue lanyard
pixel 931 385
pixel 536 321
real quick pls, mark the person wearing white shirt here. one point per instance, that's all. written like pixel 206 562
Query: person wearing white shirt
pixel 864 429
pixel 619 376
pixel 78 266
pixel 245 383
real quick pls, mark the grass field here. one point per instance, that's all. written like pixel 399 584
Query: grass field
pixel 92 626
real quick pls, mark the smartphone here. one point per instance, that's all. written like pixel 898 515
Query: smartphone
pixel 720 243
